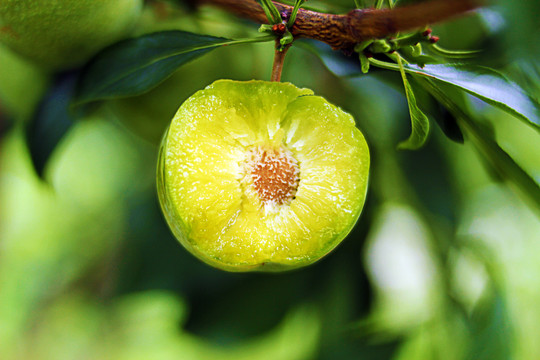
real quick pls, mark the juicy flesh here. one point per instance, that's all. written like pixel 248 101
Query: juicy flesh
pixel 280 178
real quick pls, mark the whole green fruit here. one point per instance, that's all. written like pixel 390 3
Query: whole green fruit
pixel 22 85
pixel 63 34
pixel 261 175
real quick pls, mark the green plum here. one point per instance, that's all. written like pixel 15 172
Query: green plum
pixel 63 34
pixel 263 176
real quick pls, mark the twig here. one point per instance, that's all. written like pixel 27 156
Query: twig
pixel 344 31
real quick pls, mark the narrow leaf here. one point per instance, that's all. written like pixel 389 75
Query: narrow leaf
pixel 486 145
pixel 505 166
pixel 454 54
pixel 292 17
pixel 364 62
pixel 51 121
pixel 419 121
pixel 134 66
pixel 491 327
pixel 334 61
pixel 5 122
pixel 482 82
pixel 272 13
pixel 448 124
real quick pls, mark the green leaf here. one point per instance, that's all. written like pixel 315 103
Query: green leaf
pixel 486 145
pixel 453 54
pixel 335 61
pixel 292 17
pixel 370 349
pixel 5 122
pixel 364 62
pixel 491 329
pixel 482 82
pixel 134 66
pixel 51 121
pixel 419 121
pixel 412 55
pixel 272 13
pixel 503 164
pixel 448 124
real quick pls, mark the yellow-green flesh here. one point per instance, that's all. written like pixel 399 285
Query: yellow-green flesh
pixel 209 200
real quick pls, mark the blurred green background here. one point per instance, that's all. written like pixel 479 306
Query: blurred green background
pixel 443 263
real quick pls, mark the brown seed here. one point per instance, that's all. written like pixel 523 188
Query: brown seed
pixel 275 175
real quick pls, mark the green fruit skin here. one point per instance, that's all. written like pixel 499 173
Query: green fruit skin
pixel 22 85
pixel 64 34
pixel 179 227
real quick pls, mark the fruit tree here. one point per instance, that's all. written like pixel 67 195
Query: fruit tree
pixel 257 179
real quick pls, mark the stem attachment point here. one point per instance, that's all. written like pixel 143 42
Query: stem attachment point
pixel 279 58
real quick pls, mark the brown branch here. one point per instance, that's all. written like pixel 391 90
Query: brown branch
pixel 344 31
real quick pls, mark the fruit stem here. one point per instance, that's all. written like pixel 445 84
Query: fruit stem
pixel 279 58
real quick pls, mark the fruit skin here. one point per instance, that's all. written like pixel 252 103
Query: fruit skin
pixel 321 219
pixel 63 34
pixel 22 85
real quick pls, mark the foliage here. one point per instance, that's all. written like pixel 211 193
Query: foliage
pixel 442 264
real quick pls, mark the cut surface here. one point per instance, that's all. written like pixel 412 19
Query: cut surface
pixel 258 173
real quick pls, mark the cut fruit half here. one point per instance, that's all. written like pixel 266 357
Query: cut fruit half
pixel 261 175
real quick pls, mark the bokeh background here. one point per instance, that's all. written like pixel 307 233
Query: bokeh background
pixel 443 263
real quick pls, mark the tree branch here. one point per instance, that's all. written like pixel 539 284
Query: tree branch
pixel 344 31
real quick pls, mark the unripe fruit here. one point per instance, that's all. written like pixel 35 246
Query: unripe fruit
pixel 261 175
pixel 62 34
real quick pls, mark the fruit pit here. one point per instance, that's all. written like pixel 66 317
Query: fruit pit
pixel 275 175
